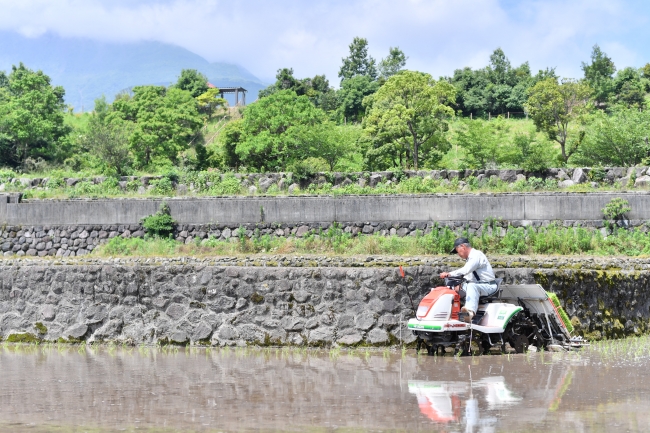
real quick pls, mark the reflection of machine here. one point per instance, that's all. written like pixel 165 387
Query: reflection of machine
pixel 439 401
pixel 476 404
pixel 442 402
pixel 519 315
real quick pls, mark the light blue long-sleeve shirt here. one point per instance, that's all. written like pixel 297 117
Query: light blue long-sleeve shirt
pixel 476 261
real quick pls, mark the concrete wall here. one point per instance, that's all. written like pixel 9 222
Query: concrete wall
pixel 243 210
pixel 203 302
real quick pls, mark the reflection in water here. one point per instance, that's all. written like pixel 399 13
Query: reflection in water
pixel 441 401
pixel 140 389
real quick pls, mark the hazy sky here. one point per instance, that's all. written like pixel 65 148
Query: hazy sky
pixel 313 35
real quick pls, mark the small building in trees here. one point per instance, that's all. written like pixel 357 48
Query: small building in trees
pixel 235 90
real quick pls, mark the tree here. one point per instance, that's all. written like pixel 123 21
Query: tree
pixel 351 95
pixel 599 74
pixel 166 122
pixel 411 110
pixel 268 130
pixel 392 64
pixel 645 71
pixel 628 89
pixel 230 137
pixel 327 141
pixel 193 81
pixel 619 138
pixel 317 89
pixel 359 62
pixel 554 106
pixel 108 141
pixel 31 116
pixel 210 101
pixel 495 89
pixel 482 142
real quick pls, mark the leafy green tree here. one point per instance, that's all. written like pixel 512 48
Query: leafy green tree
pixel 527 151
pixel 359 62
pixel 599 75
pixel 411 110
pixel 393 63
pixel 351 95
pixel 31 116
pixel 268 131
pixel 166 122
pixel 495 89
pixel 482 142
pixel 231 135
pixel 317 89
pixel 645 71
pixel 470 86
pixel 554 106
pixel 193 81
pixel 628 89
pixel 210 101
pixel 327 141
pixel 619 138
pixel 108 141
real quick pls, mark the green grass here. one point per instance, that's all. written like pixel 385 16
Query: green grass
pixel 334 241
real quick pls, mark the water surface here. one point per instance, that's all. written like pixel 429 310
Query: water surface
pixel 72 389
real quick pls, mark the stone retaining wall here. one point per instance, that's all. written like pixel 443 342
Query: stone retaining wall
pixel 283 301
pixel 262 182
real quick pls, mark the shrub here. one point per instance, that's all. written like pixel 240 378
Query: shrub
pixel 162 186
pixel 160 224
pixel 616 209
pixel 229 185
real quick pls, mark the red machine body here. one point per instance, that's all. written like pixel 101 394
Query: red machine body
pixel 429 300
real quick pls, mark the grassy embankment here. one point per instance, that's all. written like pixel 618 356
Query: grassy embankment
pixel 516 241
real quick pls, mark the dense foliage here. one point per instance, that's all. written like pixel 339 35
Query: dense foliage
pixel 381 117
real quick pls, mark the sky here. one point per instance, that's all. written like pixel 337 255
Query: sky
pixel 312 36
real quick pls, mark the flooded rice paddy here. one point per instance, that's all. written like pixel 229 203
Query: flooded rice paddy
pixel 606 387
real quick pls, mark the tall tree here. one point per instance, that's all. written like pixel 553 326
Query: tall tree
pixel 166 122
pixel 193 81
pixel 351 95
pixel 359 62
pixel 31 116
pixel 628 89
pixel 599 74
pixel 498 88
pixel 108 141
pixel 554 106
pixel 317 89
pixel 411 110
pixel 393 63
pixel 268 131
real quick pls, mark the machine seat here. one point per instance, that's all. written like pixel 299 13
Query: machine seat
pixel 494 296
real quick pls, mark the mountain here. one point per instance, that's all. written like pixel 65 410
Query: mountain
pixel 88 69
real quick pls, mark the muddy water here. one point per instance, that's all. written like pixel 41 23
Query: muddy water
pixel 104 389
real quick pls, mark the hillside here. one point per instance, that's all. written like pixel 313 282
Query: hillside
pixel 89 69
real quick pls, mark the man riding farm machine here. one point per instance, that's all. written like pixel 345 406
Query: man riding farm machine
pixel 520 315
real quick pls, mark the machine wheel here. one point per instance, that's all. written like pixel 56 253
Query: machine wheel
pixel 519 343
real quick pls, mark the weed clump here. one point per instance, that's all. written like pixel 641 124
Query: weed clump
pixel 160 224
pixel 23 338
